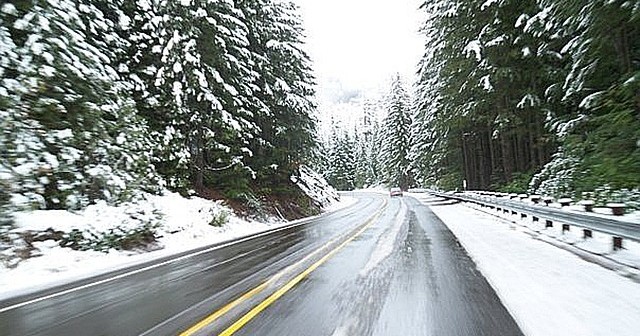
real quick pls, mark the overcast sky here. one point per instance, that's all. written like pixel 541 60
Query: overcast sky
pixel 357 45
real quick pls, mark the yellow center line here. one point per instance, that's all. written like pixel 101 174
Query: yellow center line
pixel 225 309
pixel 280 292
pixel 256 310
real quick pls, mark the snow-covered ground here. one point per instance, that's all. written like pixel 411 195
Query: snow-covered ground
pixel 548 290
pixel 185 226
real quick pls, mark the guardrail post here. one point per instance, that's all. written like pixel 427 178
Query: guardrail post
pixel 565 202
pixel 548 224
pixel 547 200
pixel 588 205
pixel 535 199
pixel 523 215
pixel 565 227
pixel 536 219
pixel 616 208
pixel 617 243
pixel 514 212
pixel 587 234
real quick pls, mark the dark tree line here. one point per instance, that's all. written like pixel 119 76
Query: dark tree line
pixel 536 94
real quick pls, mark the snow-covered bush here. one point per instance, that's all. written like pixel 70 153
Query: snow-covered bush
pixel 219 218
pixel 119 238
pixel 132 225
pixel 100 227
pixel 556 177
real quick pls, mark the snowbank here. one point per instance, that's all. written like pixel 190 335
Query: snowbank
pixel 185 225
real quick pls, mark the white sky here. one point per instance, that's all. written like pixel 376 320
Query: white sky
pixel 358 45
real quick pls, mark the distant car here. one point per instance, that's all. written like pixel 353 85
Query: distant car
pixel 395 192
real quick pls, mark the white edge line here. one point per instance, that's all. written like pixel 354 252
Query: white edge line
pixel 297 223
pixel 166 262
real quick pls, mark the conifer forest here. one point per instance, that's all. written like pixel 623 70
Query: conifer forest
pixel 102 100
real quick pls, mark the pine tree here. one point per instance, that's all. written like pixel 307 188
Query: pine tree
pixel 481 111
pixel 74 135
pixel 443 101
pixel 532 75
pixel 360 150
pixel 369 143
pixel 342 162
pixel 198 108
pixel 427 138
pixel 599 94
pixel 284 87
pixel 396 145
pixel 97 98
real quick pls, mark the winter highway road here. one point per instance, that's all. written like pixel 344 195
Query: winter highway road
pixel 384 266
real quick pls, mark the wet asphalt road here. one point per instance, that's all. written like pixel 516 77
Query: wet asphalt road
pixel 424 284
pixel 406 274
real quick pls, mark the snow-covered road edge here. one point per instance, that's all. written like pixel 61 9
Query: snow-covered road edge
pixel 58 266
pixel 548 290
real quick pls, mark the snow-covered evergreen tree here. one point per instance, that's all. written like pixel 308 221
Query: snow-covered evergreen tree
pixel 369 165
pixel 342 168
pixel 425 155
pixel 505 83
pixel 366 138
pixel 199 91
pixel 72 135
pixel 396 139
pixel 284 87
pixel 597 91
pixel 361 176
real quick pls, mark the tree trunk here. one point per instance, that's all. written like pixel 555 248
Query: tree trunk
pixel 465 169
pixel 492 150
pixel 198 166
pixel 515 150
pixel 506 159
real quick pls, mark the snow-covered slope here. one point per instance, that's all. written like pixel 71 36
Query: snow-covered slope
pixel 315 186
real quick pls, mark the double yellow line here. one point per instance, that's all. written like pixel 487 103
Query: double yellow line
pixel 282 290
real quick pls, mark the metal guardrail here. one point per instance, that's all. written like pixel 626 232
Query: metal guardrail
pixel 617 227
